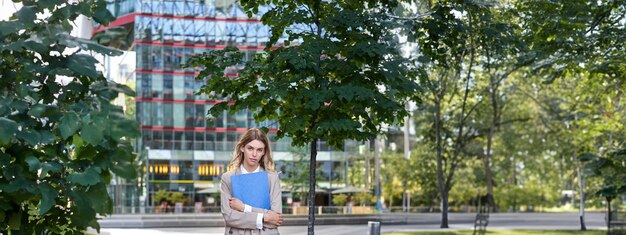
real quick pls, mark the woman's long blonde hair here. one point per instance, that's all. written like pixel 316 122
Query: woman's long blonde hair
pixel 254 134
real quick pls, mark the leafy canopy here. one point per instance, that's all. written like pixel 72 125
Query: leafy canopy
pixel 60 137
pixel 331 70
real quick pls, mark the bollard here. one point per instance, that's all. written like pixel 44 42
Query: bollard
pixel 373 228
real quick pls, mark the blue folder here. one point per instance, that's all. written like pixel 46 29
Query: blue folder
pixel 252 189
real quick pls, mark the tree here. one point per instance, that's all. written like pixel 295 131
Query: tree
pixel 61 139
pixel 339 75
pixel 567 36
pixel 448 43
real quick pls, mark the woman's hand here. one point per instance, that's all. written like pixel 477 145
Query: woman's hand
pixel 273 217
pixel 236 204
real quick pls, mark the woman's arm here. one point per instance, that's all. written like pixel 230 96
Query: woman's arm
pixel 275 199
pixel 233 218
pixel 276 194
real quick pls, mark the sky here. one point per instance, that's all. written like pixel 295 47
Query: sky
pixel 7 7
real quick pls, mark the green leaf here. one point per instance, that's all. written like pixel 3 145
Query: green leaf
pixel 48 196
pixel 85 152
pixel 33 163
pixel 91 176
pixel 8 128
pixel 103 16
pixel 5 159
pixel 126 171
pixel 32 137
pixel 26 15
pixel 99 198
pixel 46 137
pixel 124 89
pixel 70 123
pixel 48 167
pixel 92 134
pixel 125 128
pixel 83 64
pixel 15 220
pixel 95 47
pixel 9 27
pixel 84 213
pixel 37 110
pixel 36 46
pixel 19 183
pixel 78 142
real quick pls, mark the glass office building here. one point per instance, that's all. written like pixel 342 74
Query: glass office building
pixel 186 153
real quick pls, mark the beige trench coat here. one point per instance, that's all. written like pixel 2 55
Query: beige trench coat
pixel 244 223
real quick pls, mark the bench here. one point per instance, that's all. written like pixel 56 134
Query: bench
pixel 616 227
pixel 482 217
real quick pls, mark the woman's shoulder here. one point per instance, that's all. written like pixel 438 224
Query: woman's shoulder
pixel 228 174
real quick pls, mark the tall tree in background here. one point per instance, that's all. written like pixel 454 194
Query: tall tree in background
pixel 61 139
pixel 568 37
pixel 499 45
pixel 450 42
pixel 339 75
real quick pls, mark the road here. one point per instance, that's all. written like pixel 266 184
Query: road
pixel 504 221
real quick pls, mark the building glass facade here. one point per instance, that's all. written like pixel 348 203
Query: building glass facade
pixel 186 152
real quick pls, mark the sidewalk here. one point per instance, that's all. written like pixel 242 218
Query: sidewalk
pixel 414 222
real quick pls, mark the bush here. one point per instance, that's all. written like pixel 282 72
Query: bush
pixel 340 200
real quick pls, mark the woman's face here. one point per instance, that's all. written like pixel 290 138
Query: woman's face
pixel 252 154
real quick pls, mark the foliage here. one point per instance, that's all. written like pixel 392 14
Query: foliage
pixel 364 199
pixel 448 42
pixel 574 35
pixel 340 199
pixel 177 197
pixel 160 196
pixel 61 139
pixel 611 169
pixel 170 197
pixel 578 41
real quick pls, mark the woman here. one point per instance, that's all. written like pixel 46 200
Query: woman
pixel 252 154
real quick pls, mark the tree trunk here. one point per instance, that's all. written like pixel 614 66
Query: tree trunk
pixel 581 184
pixel 487 164
pixel 444 210
pixel 495 120
pixel 608 216
pixel 311 200
pixel 443 192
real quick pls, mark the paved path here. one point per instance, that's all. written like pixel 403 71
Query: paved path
pixel 503 221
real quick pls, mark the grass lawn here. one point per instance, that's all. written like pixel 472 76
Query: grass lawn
pixel 507 232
